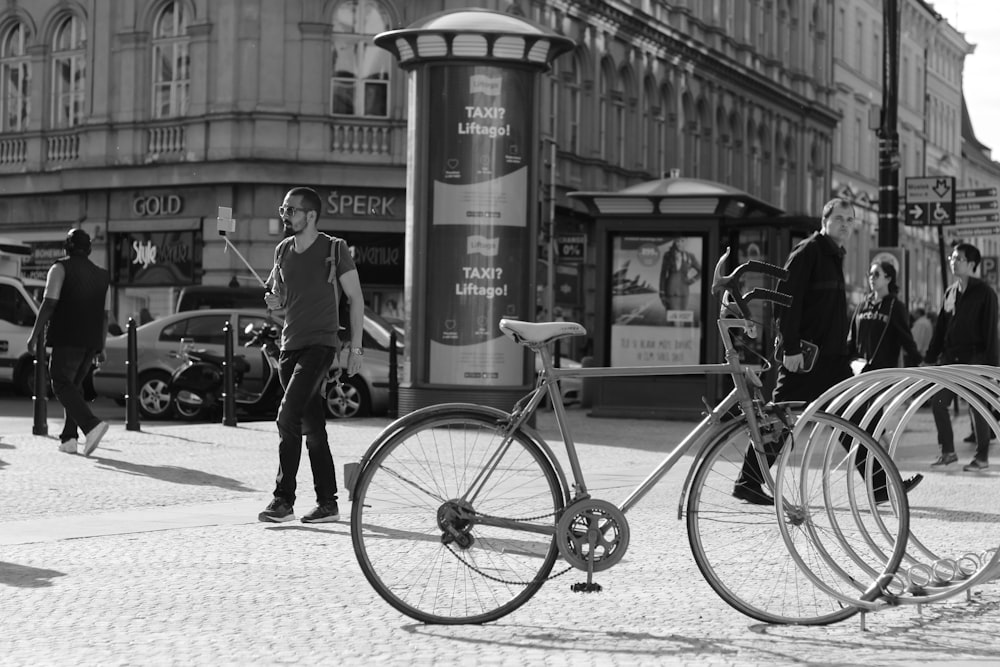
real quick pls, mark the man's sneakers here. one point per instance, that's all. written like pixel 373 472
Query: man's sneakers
pixel 946 459
pixel 94 438
pixel 752 493
pixel 324 513
pixel 976 466
pixel 278 511
pixel 68 446
pixel 882 493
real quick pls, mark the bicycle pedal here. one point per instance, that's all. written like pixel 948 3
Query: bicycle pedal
pixel 585 587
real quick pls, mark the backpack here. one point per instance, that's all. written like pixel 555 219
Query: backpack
pixel 343 303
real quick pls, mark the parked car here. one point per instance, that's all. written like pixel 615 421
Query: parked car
pixel 159 353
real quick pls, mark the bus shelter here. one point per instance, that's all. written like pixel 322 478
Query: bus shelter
pixel 657 245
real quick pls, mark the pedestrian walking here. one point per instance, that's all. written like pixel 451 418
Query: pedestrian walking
pixel 73 321
pixel 965 333
pixel 817 318
pixel 304 283
pixel 879 330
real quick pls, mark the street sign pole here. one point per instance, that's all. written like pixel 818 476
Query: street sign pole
pixel 888 175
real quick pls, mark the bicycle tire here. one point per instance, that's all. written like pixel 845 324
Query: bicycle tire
pixel 758 577
pixel 416 477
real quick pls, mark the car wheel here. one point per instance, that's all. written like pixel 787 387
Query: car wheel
pixel 155 401
pixel 348 398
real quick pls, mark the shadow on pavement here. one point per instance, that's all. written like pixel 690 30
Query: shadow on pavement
pixel 22 576
pixel 177 475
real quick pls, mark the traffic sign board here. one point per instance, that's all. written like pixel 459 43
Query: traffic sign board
pixel 975 205
pixel 967 231
pixel 983 217
pixel 975 193
pixel 930 200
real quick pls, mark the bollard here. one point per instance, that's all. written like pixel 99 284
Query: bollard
pixel 228 381
pixel 131 378
pixel 40 393
pixel 393 376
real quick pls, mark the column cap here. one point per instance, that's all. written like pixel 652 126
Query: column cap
pixel 475 34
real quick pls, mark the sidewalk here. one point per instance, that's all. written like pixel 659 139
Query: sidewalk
pixel 150 553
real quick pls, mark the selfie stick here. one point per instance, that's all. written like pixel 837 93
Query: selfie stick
pixel 226 224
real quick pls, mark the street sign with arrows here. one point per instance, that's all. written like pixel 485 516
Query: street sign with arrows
pixel 930 200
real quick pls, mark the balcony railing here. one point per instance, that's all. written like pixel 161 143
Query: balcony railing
pixel 364 138
pixel 13 151
pixel 62 147
pixel 165 140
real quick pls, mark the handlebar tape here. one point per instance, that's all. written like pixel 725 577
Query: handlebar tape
pixel 767 269
pixel 779 298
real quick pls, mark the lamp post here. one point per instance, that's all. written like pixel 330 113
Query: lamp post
pixel 888 137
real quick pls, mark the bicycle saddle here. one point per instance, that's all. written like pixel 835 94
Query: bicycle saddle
pixel 539 333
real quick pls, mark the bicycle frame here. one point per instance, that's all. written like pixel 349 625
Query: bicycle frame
pixel 745 394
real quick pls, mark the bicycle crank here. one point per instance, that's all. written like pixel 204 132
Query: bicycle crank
pixel 592 535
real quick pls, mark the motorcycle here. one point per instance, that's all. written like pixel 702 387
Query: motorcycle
pixel 196 387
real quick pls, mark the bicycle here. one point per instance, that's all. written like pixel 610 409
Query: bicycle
pixel 460 511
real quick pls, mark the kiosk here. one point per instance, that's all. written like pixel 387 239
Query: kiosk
pixel 657 246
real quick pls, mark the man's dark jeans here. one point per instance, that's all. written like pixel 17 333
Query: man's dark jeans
pixel 303 412
pixel 68 366
pixel 940 406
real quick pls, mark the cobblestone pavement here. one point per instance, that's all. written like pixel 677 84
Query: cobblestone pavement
pixel 149 553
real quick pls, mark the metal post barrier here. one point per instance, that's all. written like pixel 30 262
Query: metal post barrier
pixel 40 394
pixel 393 376
pixel 131 377
pixel 228 381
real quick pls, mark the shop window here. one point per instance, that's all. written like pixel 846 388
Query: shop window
pixel 69 72
pixel 359 85
pixel 171 62
pixel 15 80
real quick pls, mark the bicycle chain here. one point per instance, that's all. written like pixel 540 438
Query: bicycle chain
pixel 498 579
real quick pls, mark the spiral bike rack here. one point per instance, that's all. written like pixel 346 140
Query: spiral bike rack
pixel 945 552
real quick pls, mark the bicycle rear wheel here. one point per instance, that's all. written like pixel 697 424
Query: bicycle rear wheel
pixel 739 548
pixel 454 523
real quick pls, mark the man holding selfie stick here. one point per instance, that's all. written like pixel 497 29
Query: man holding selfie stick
pixel 310 272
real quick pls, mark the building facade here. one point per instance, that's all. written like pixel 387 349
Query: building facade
pixel 137 119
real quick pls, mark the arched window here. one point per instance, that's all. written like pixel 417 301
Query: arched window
pixel 360 82
pixel 15 80
pixel 171 62
pixel 623 99
pixel 738 178
pixel 69 72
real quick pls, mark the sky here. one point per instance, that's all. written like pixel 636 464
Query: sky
pixel 979 20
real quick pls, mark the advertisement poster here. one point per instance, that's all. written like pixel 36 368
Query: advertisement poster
pixel 480 152
pixel 656 296
pixel 156 258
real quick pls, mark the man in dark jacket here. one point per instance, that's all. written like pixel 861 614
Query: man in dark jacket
pixel 817 314
pixel 965 333
pixel 75 310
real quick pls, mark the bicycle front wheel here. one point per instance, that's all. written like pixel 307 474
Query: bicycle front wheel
pixel 740 549
pixel 453 522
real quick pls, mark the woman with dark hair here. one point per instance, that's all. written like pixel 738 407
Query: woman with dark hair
pixel 880 327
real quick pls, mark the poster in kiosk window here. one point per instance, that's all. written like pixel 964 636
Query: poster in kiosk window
pixel 479 157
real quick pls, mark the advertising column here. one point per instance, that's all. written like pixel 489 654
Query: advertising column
pixel 478 222
pixel 471 209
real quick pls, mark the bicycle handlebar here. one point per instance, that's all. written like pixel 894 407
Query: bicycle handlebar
pixel 730 284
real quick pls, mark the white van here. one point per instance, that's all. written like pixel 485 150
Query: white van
pixel 17 315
